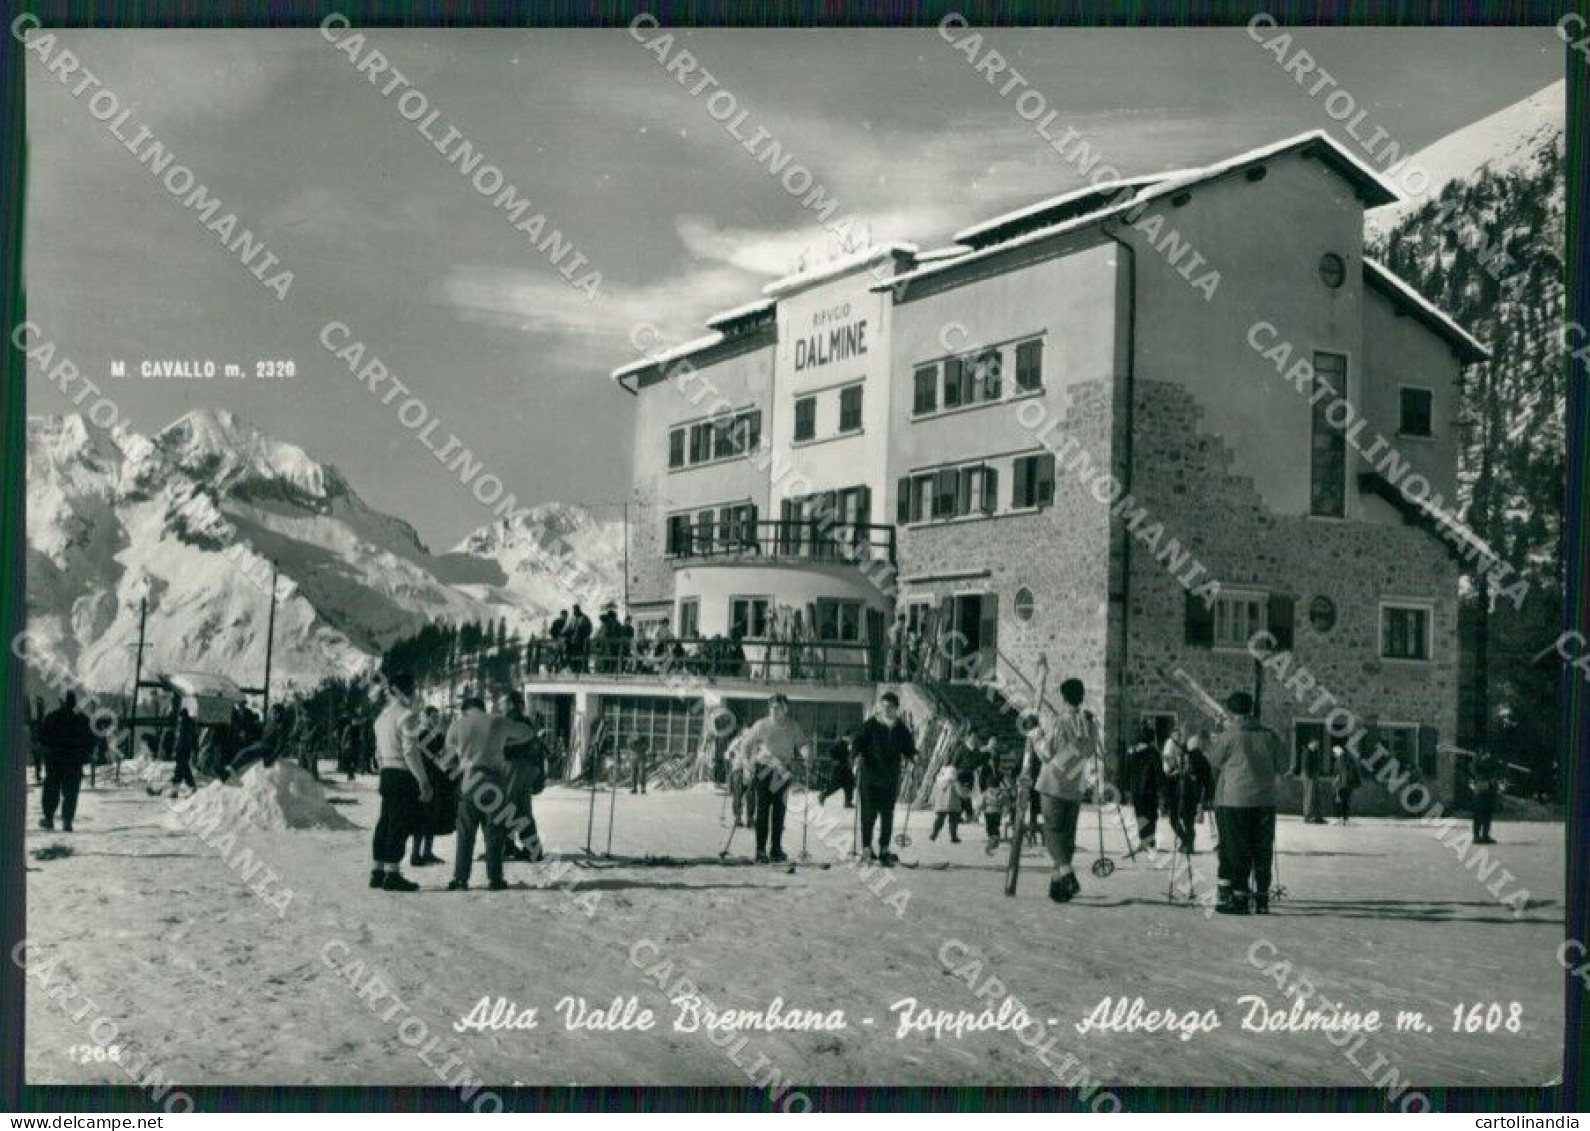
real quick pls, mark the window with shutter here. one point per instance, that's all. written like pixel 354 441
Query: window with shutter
pixel 1022 491
pixel 1044 477
pixel 945 485
pixel 1283 612
pixel 1029 366
pixel 952 382
pixel 925 395
pixel 850 409
pixel 987 375
pixel 805 418
pixel 990 500
pixel 1199 621
pixel 676 448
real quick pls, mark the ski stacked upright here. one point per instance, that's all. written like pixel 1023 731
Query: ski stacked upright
pixel 1024 784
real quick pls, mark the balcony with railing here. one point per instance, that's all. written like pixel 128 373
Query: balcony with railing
pixel 782 541
pixel 670 660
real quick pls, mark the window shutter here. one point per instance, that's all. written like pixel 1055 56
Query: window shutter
pixel 902 502
pixel 1282 613
pixel 990 490
pixel 864 505
pixel 1045 477
pixel 1429 765
pixel 1021 491
pixel 1200 622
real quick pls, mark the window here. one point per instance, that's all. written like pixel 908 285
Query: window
pixel 945 485
pixel 977 491
pixel 1328 447
pixel 1417 412
pixel 850 409
pixel 838 621
pixel 1402 743
pixel 1024 604
pixel 926 394
pixel 676 448
pixel 1322 613
pixel 1237 617
pixel 1404 632
pixel 678 537
pixel 1332 271
pixel 748 617
pixel 689 618
pixel 1029 366
pixel 1032 481
pixel 805 418
pixel 986 376
pixel 702 539
pixel 751 426
pixel 701 442
pixel 952 382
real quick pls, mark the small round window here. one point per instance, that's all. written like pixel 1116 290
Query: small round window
pixel 1024 603
pixel 1322 614
pixel 1332 271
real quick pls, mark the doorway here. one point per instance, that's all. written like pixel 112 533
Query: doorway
pixel 975 645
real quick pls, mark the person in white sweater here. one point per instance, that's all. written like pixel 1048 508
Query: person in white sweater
pixel 405 787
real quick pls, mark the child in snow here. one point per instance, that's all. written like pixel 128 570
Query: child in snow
pixel 998 799
pixel 946 804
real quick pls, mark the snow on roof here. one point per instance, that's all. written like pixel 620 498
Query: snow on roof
pixel 950 251
pixel 724 317
pixel 968 235
pixel 1432 315
pixel 1166 184
pixel 662 357
pixel 836 267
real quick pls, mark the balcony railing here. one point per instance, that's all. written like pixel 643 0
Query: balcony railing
pixel 664 661
pixel 807 540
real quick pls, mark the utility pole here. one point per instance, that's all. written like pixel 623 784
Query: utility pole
pixel 270 640
pixel 138 676
pixel 626 557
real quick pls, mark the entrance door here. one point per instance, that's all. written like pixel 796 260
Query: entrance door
pixel 976 622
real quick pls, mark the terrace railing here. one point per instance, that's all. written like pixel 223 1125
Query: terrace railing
pixel 660 661
pixel 812 540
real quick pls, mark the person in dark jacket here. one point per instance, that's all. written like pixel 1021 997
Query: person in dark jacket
pixel 1347 779
pixel 526 757
pixel 1186 785
pixel 1246 759
pixel 1143 780
pixel 1316 769
pixel 969 762
pixel 882 745
pixel 1485 785
pixel 68 740
pixel 840 774
pixel 34 722
pixel 440 812
pixel 187 746
pixel 577 639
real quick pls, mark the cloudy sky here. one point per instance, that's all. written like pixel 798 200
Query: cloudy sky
pixel 382 234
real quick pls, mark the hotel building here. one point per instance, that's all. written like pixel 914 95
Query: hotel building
pixel 1080 431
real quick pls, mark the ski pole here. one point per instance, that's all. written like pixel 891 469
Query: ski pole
pixel 590 812
pixel 806 802
pixel 903 837
pixel 612 802
pixel 723 810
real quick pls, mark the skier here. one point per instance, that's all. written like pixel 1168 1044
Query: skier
pixel 1145 781
pixel 405 784
pixel 946 804
pixel 1347 777
pixel 68 740
pixel 775 744
pixel 1059 764
pixel 840 775
pixel 187 745
pixel 1246 759
pixel 1485 785
pixel 882 744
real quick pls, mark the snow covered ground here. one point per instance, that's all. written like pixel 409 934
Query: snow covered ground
pixel 218 977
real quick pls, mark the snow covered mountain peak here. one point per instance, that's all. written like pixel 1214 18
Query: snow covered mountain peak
pixel 216 445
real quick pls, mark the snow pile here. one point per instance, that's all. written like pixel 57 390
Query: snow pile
pixel 275 799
